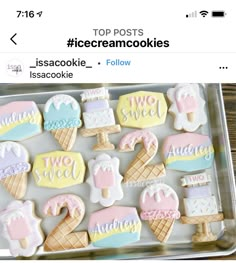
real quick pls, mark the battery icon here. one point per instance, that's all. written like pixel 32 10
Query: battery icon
pixel 218 13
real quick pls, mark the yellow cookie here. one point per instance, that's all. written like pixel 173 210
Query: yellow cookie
pixel 59 169
pixel 141 109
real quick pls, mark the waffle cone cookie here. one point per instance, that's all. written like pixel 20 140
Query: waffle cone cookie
pixel 162 228
pixel 139 169
pixel 159 204
pixel 61 237
pixel 62 119
pixel 66 137
pixel 14 167
pixel 16 185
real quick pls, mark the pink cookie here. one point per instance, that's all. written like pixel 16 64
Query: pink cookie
pixel 105 180
pixel 115 226
pixel 159 204
pixel 21 228
pixel 187 106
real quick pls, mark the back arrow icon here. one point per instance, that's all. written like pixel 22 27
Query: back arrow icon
pixel 12 38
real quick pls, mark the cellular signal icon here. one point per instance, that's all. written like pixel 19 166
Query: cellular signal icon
pixel 203 13
pixel 193 14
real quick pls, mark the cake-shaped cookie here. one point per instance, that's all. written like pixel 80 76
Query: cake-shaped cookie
pixel 200 206
pixel 98 118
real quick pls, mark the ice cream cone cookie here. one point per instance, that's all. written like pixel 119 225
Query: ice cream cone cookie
pixel 187 106
pixel 98 118
pixel 142 109
pixel 58 169
pixel 62 119
pixel 62 237
pixel 115 226
pixel 188 152
pixel 19 120
pixel 139 171
pixel 105 180
pixel 21 228
pixel 14 167
pixel 159 204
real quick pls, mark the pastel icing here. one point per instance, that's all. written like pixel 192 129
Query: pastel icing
pixel 13 159
pixel 58 169
pixel 21 228
pixel 96 105
pixel 98 119
pixel 197 191
pixel 115 226
pixel 159 201
pixel 105 178
pixel 195 179
pixel 72 202
pixel 131 138
pixel 188 152
pixel 142 109
pixel 94 94
pixel 19 120
pixel 187 107
pixel 200 206
pixel 61 111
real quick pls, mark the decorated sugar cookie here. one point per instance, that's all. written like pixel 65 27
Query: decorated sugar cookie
pixel 141 109
pixel 187 107
pixel 98 118
pixel 19 120
pixel 139 171
pixel 62 119
pixel 115 226
pixel 200 206
pixel 105 180
pixel 159 204
pixel 14 168
pixel 21 228
pixel 63 236
pixel 58 169
pixel 188 152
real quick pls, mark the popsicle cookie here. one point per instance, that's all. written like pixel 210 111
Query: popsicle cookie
pixel 187 106
pixel 14 168
pixel 21 228
pixel 115 226
pixel 62 119
pixel 105 180
pixel 19 120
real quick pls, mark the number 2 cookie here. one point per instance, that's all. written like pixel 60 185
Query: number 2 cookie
pixel 61 237
pixel 139 171
pixel 187 106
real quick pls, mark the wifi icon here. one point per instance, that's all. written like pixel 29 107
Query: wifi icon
pixel 203 13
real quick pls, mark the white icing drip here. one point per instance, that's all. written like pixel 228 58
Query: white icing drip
pixel 61 99
pixel 92 94
pixel 104 165
pixel 16 148
pixel 154 190
pixel 185 91
pixel 13 216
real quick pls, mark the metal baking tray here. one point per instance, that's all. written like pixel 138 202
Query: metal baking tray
pixel 179 246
